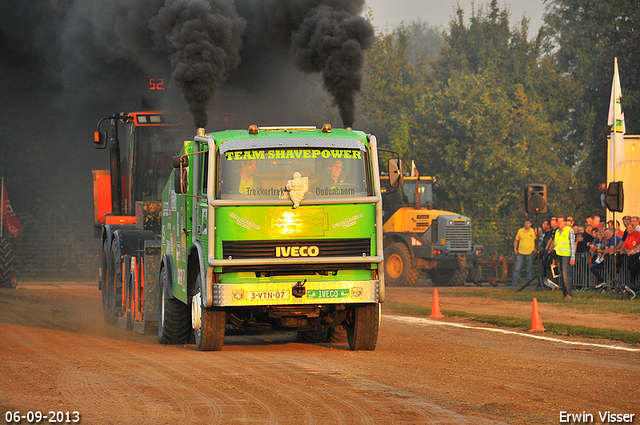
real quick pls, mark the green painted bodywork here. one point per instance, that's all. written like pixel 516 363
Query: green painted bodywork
pixel 259 222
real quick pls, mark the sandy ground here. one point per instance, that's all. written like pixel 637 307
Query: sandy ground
pixel 57 355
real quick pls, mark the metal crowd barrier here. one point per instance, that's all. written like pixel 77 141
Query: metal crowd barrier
pixel 583 279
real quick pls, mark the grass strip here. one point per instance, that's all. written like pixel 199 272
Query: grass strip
pixel 583 301
pixel 523 323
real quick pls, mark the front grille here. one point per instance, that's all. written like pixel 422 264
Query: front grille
pixel 458 237
pixel 305 248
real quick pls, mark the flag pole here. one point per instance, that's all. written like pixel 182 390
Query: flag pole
pixel 615 117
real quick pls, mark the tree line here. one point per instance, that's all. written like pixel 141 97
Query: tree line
pixel 486 108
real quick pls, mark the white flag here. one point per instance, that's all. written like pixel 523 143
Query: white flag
pixel 616 121
pixel 414 169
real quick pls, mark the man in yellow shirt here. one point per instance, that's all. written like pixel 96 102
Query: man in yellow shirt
pixel 524 246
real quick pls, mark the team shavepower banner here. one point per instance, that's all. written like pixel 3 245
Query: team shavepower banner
pixel 9 219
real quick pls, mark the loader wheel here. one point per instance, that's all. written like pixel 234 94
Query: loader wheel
pixel 8 277
pixel 398 270
pixel 173 316
pixel 104 281
pixel 449 277
pixel 362 332
pixel 209 325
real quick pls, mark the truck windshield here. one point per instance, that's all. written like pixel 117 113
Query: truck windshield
pixel 264 173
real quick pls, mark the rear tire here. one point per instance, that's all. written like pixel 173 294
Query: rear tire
pixel 362 333
pixel 209 330
pixel 173 316
pixel 7 274
pixel 312 337
pixel 398 270
pixel 104 281
pixel 449 277
pixel 115 279
pixel 337 334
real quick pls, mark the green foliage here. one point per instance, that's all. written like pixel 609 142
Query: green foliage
pixel 489 130
pixel 390 84
pixel 585 37
pixel 498 109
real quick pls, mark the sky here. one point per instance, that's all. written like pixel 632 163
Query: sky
pixel 439 12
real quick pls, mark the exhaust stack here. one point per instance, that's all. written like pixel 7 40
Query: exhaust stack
pixel 200 131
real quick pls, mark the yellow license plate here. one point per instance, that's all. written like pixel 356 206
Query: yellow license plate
pixel 267 295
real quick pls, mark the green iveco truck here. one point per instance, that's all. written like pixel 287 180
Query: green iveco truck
pixel 274 229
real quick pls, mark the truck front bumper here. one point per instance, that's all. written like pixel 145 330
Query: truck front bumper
pixel 295 293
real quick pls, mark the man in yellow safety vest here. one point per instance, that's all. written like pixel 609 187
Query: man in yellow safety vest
pixel 564 245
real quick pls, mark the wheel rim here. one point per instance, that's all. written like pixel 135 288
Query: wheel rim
pixel 395 266
pixel 162 306
pixel 196 312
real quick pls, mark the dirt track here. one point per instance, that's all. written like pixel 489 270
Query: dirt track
pixel 56 354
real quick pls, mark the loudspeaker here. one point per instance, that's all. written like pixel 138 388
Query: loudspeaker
pixel 535 198
pixel 614 197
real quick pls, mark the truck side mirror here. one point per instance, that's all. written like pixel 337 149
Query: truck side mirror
pixel 180 174
pixel 396 177
pixel 100 139
pixel 180 161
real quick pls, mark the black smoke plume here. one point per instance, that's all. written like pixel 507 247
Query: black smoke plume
pixel 325 36
pixel 206 38
pixel 334 42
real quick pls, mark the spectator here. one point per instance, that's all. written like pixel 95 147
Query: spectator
pixel 596 245
pixel 553 223
pixel 564 247
pixel 547 235
pixel 632 249
pixel 636 222
pixel 603 194
pixel 589 221
pixel 587 235
pixel 581 243
pixel 596 222
pixel 524 246
pixel 606 249
pixel 625 220
pixel 619 231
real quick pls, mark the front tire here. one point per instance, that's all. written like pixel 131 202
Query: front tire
pixel 398 270
pixel 173 315
pixel 362 332
pixel 209 325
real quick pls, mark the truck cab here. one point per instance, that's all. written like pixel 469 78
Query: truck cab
pixel 276 228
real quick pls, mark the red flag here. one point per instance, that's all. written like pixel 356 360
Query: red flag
pixel 9 218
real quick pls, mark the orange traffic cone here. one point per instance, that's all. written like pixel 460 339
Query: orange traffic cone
pixel 536 320
pixel 435 308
